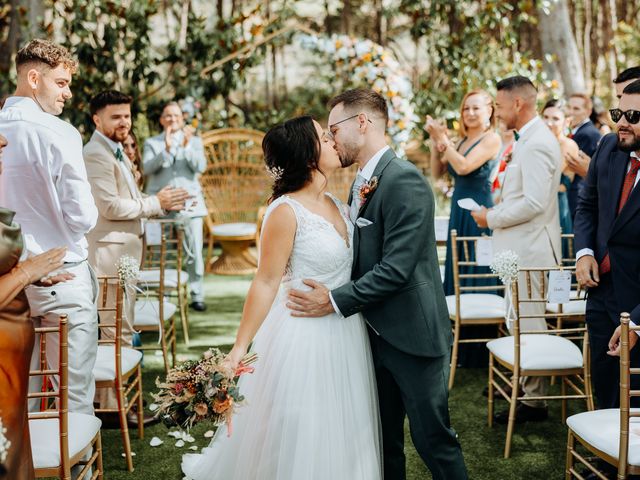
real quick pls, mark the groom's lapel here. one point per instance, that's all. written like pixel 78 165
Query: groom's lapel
pixel 382 164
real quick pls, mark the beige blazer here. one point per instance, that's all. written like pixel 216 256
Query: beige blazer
pixel 527 220
pixel 119 228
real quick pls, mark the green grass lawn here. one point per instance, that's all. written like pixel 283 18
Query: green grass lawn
pixel 538 449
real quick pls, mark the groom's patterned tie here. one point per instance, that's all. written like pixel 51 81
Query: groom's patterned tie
pixel 355 197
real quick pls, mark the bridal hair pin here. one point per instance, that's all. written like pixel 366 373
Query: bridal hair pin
pixel 274 172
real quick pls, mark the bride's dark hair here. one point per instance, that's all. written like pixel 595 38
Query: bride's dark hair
pixel 291 152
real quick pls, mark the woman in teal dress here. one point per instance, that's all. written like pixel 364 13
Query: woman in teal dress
pixel 470 164
pixel 555 118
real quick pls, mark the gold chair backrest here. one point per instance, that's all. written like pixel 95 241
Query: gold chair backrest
pixel 107 304
pixel 61 396
pixel 626 393
pixel 523 292
pixel 468 259
pixel 235 183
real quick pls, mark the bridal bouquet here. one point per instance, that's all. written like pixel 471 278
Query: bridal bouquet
pixel 201 391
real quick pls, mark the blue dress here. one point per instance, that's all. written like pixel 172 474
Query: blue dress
pixel 475 185
pixel 566 224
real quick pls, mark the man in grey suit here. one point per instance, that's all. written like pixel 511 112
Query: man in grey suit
pixel 176 158
pixel 396 285
pixel 527 220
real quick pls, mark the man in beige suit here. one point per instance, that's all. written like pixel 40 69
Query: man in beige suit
pixel 526 221
pixel 121 206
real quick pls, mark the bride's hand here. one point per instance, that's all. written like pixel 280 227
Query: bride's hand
pixel 233 358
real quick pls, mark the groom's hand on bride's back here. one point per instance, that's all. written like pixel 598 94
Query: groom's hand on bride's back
pixel 313 303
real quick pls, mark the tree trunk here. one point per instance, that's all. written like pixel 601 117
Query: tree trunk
pixel 557 38
pixel 346 17
pixel 588 19
pixel 13 38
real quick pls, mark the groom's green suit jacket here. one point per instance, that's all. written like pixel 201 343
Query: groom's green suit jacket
pixel 396 280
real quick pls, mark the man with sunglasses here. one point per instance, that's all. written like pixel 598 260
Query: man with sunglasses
pixel 607 229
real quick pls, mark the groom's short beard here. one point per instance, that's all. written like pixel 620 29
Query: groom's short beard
pixel 630 146
pixel 349 155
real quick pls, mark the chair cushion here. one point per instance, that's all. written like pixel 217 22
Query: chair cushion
pixel 538 352
pixel 601 428
pixel 477 306
pixel 151 277
pixel 147 312
pixel 234 229
pixel 45 446
pixel 105 367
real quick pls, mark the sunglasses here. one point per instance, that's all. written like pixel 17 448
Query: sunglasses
pixel 632 116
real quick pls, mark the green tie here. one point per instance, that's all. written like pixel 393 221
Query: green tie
pixel 119 155
pixel 516 135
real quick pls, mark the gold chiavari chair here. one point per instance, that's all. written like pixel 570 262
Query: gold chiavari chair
pixel 154 313
pixel 61 439
pixel 118 367
pixel 539 353
pixel 471 305
pixel 609 433
pixel 176 280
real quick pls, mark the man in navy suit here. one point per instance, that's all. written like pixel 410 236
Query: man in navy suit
pixel 587 136
pixel 607 229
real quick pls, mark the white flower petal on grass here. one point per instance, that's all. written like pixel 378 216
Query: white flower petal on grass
pixel 208 434
pixel 194 448
pixel 175 434
pixel 180 443
pixel 188 438
pixel 155 441
pixel 153 407
pixel 133 454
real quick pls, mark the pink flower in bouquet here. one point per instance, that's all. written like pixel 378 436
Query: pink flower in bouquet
pixel 179 388
pixel 242 369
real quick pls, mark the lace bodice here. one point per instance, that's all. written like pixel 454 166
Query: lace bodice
pixel 319 251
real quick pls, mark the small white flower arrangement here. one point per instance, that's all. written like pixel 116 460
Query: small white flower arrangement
pixel 505 265
pixel 128 270
pixel 5 444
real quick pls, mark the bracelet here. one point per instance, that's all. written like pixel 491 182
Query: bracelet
pixel 26 275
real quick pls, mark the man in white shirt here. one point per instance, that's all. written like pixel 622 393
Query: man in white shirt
pixel 44 181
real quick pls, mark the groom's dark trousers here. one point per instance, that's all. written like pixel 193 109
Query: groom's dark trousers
pixel 396 285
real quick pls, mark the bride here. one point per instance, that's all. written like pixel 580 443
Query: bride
pixel 311 408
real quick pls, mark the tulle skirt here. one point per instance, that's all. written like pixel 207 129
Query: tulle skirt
pixel 311 407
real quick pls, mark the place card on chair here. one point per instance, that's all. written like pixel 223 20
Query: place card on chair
pixel 484 251
pixel 559 286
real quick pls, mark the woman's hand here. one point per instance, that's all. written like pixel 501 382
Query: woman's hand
pixel 234 357
pixel 38 268
pixel 437 130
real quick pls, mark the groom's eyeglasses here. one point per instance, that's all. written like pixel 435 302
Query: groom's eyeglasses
pixel 632 116
pixel 330 134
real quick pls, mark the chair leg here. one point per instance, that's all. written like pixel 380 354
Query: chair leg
pixel 563 392
pixel 454 355
pixel 124 427
pixel 183 318
pixel 490 392
pixel 140 404
pixel 512 414
pixel 165 354
pixel 98 448
pixel 207 263
pixel 571 444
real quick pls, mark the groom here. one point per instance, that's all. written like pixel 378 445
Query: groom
pixel 396 285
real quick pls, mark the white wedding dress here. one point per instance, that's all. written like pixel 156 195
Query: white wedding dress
pixel 311 409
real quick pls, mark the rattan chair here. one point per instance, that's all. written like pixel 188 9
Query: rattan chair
pixel 540 353
pixel 176 280
pixel 118 367
pixel 235 185
pixel 471 305
pixel 153 312
pixel 61 439
pixel 607 433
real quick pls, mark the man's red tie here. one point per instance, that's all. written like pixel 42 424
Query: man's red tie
pixel 627 186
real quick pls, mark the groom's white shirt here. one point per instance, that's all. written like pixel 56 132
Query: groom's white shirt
pixel 366 173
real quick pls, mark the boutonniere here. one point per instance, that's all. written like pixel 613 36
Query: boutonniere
pixel 508 157
pixel 368 188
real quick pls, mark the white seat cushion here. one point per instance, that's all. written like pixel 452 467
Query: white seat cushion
pixel 152 277
pixel 539 352
pixel 234 229
pixel 105 367
pixel 45 446
pixel 147 312
pixel 601 428
pixel 477 306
